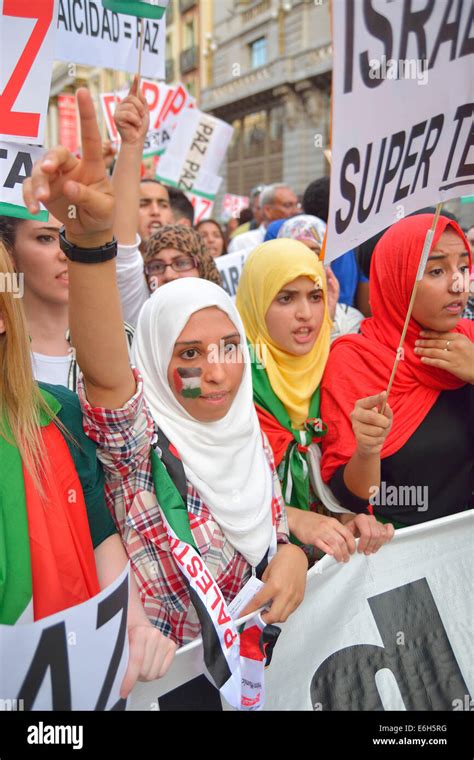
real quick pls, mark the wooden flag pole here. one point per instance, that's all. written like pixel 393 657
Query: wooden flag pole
pixel 421 269
pixel 140 51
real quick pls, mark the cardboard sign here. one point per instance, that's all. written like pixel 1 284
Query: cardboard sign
pixel 403 104
pixel 74 660
pixel 27 36
pixel 16 163
pixel 195 153
pixel 90 34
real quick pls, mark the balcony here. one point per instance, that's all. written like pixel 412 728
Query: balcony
pixel 185 5
pixel 188 60
pixel 169 69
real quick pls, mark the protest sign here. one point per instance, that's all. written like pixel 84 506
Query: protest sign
pixel 16 163
pixel 202 207
pixel 68 131
pixel 232 205
pixel 389 631
pixel 165 103
pixel 195 153
pixel 402 108
pixel 74 660
pixel 90 34
pixel 230 266
pixel 141 8
pixel 27 34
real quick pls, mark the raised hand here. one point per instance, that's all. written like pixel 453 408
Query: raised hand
pixel 132 117
pixel 76 191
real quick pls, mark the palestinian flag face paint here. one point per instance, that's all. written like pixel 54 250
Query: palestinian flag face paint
pixel 187 381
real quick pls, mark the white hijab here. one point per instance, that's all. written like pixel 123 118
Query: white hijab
pixel 223 460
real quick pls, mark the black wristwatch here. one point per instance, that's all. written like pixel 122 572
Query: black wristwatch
pixel 87 255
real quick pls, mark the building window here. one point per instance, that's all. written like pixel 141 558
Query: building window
pixel 258 53
pixel 255 154
pixel 189 38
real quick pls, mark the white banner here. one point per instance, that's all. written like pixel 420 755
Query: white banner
pixel 27 36
pixel 91 35
pixel 402 109
pixel 195 153
pixel 16 163
pixel 74 660
pixel 230 266
pixel 391 631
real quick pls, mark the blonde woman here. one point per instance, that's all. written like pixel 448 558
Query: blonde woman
pixel 54 557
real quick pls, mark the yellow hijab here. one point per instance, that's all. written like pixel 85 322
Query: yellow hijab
pixel 267 270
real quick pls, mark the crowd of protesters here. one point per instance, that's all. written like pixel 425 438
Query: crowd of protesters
pixel 270 414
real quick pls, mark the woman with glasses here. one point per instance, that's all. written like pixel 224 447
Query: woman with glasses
pixel 176 251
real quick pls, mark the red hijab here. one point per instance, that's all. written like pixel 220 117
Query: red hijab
pixel 361 365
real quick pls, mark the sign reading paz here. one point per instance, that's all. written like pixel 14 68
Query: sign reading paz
pixel 195 153
pixel 403 81
pixel 90 34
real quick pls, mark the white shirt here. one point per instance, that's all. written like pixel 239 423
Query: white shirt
pixel 248 240
pixel 51 369
pixel 131 281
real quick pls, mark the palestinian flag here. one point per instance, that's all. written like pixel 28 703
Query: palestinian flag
pixel 188 382
pixel 141 8
pixel 46 555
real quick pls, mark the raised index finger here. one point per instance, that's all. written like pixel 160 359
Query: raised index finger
pixel 90 135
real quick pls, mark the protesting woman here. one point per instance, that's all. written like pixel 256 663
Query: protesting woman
pixel 310 230
pixel 194 408
pixel 423 468
pixel 175 251
pixel 59 543
pixel 283 300
pixel 214 240
pixel 42 278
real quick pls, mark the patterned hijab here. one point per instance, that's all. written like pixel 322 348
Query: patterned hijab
pixel 303 227
pixel 188 241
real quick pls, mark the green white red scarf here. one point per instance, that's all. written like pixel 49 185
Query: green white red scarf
pixel 46 553
pixel 288 444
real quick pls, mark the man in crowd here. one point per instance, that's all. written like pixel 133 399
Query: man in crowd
pixel 276 202
pixel 155 209
pixel 181 208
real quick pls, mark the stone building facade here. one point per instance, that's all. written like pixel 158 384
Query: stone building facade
pixel 271 74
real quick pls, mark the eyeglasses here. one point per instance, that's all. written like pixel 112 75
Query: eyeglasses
pixel 184 264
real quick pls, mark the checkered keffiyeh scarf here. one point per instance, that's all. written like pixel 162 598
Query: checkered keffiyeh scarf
pixel 188 241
